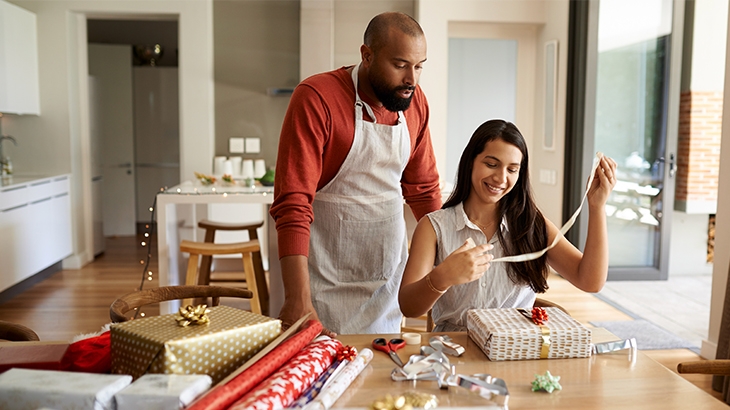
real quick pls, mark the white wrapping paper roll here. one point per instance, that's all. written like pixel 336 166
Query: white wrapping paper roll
pixel 334 389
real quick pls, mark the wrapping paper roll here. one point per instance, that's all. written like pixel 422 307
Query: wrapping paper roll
pixel 280 389
pixel 314 389
pixel 329 395
pixel 221 397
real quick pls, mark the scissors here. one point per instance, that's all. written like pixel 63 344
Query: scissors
pixel 390 347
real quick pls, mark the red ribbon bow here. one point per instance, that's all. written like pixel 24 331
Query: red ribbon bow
pixel 539 315
pixel 346 353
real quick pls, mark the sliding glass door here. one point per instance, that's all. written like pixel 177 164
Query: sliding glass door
pixel 633 62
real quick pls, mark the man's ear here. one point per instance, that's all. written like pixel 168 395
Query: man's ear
pixel 366 54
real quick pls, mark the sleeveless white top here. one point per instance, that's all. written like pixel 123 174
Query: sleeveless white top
pixel 493 290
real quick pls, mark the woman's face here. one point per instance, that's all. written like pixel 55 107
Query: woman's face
pixel 496 170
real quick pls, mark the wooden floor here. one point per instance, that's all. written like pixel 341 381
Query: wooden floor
pixel 74 302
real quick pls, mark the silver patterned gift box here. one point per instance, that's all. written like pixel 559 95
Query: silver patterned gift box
pixel 162 391
pixel 36 389
pixel 506 334
pixel 156 344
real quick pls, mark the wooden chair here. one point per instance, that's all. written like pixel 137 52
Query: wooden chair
pixel 546 303
pixel 246 249
pixel 14 332
pixel 132 300
pixel 206 276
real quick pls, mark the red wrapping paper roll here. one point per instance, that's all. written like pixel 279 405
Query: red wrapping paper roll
pixel 221 397
pixel 287 384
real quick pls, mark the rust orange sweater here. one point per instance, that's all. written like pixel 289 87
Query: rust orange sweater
pixel 316 137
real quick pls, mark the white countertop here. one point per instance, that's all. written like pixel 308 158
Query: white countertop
pixel 217 188
pixel 17 180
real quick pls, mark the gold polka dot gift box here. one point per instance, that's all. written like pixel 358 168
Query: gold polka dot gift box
pixel 157 344
pixel 513 334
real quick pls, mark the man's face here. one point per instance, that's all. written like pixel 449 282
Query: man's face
pixel 395 69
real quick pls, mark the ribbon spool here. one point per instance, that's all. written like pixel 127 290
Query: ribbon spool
pixel 412 338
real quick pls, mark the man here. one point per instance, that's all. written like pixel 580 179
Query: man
pixel 354 142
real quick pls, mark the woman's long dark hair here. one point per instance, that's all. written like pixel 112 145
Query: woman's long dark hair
pixel 527 229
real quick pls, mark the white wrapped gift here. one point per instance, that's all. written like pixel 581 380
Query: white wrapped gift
pixel 34 389
pixel 506 334
pixel 162 391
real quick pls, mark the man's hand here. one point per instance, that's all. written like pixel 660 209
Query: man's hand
pixel 297 299
pixel 290 313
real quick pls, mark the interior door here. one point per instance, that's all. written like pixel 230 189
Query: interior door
pixel 488 59
pixel 632 92
pixel 111 65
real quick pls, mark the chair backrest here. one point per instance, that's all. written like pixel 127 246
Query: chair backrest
pixel 132 300
pixel 16 333
pixel 546 303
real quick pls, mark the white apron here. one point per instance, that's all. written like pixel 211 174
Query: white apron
pixel 358 245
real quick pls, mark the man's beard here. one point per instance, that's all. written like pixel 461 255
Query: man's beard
pixel 389 96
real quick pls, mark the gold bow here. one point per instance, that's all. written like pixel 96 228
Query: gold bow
pixel 195 315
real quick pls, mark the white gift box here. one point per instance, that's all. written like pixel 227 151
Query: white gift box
pixel 34 389
pixel 505 334
pixel 163 391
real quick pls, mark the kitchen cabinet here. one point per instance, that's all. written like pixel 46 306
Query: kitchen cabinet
pixel 19 91
pixel 35 227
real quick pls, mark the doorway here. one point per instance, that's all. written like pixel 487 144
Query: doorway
pixel 474 50
pixel 135 121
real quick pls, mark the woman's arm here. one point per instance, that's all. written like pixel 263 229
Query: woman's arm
pixel 587 271
pixel 423 284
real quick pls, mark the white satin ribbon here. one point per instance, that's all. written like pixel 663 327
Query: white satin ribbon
pixel 534 255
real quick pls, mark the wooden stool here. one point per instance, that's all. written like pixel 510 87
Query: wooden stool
pixel 258 265
pixel 246 249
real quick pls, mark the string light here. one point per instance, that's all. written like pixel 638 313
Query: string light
pixel 147 274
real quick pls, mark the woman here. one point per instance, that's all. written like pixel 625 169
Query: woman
pixel 492 204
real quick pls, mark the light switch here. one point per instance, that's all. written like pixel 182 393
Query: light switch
pixel 253 145
pixel 235 145
pixel 548 176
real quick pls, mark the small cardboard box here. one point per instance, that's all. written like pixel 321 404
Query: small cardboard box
pixel 162 391
pixel 157 344
pixel 34 389
pixel 505 334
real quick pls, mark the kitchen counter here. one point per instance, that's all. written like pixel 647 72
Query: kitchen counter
pixel 13 180
pixel 35 221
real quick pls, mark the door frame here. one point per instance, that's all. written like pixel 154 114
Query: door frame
pixel 82 82
pixel 580 147
pixel 526 36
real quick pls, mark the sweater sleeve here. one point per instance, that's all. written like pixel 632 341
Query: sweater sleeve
pixel 298 169
pixel 420 180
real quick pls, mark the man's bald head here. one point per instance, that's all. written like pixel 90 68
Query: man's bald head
pixel 376 34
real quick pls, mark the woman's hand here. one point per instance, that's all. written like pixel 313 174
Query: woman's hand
pixel 466 264
pixel 603 182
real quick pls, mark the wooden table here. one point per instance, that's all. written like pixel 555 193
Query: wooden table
pixel 607 381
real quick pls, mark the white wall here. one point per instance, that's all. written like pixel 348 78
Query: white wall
pixel 722 227
pixel 57 141
pixel 708 45
pixel 251 54
pixel 551 18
